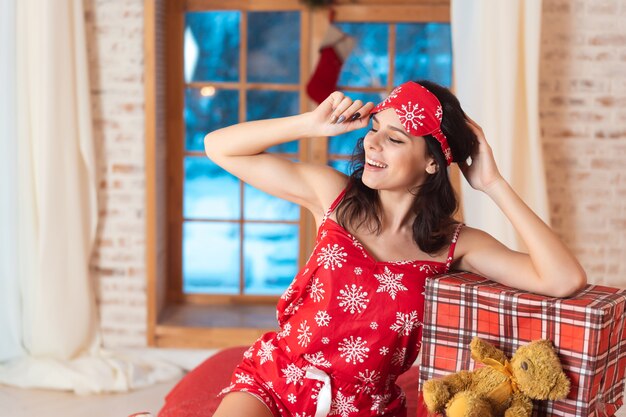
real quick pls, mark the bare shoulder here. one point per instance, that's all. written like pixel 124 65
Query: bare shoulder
pixel 331 184
pixel 472 239
pixel 470 236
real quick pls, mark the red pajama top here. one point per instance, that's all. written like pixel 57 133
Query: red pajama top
pixel 353 318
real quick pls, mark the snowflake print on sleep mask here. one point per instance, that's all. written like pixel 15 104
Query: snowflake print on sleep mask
pixel 419 111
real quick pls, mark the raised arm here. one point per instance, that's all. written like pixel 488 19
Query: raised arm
pixel 549 268
pixel 240 150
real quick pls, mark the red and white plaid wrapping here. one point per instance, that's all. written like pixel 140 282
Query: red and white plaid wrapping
pixel 588 331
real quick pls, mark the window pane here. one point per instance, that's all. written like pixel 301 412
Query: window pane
pixel 274 47
pixel 206 110
pixel 211 257
pixel 368 63
pixel 271 257
pixel 345 144
pixel 259 205
pixel 341 165
pixel 212 46
pixel 423 51
pixel 210 192
pixel 272 104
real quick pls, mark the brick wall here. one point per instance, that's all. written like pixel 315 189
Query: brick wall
pixel 115 42
pixel 583 120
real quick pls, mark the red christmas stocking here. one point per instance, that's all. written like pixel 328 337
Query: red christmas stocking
pixel 335 48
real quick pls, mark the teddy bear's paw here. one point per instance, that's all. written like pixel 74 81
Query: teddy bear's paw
pixel 516 411
pixel 436 395
pixel 468 404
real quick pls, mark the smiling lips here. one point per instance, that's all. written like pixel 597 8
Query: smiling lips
pixel 375 163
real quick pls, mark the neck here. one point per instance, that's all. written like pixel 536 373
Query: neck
pixel 397 215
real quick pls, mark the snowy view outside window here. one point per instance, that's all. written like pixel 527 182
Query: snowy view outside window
pixel 228 224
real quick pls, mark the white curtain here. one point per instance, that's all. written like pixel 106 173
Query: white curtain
pixel 10 322
pixel 50 336
pixel 495 46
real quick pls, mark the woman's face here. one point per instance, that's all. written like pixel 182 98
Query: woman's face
pixel 394 159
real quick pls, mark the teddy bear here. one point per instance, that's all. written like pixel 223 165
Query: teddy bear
pixel 500 388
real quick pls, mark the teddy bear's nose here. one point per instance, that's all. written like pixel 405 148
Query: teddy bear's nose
pixel 524 366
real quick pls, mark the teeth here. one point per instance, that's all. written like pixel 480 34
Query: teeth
pixel 376 164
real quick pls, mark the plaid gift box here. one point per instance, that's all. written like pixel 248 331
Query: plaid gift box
pixel 588 331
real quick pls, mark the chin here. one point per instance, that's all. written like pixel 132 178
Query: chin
pixel 369 184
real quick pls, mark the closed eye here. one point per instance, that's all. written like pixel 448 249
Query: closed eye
pixel 390 138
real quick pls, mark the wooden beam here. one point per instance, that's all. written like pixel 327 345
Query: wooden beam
pixel 393 13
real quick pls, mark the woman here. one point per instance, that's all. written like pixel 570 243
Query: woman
pixel 351 319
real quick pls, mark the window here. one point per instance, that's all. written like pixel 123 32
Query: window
pixel 226 250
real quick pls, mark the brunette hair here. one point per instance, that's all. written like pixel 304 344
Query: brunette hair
pixel 435 201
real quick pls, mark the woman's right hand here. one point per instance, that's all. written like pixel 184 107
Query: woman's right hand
pixel 336 115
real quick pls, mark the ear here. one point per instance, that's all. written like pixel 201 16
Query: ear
pixel 561 388
pixel 481 349
pixel 432 167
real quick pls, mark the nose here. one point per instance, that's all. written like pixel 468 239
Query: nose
pixel 372 141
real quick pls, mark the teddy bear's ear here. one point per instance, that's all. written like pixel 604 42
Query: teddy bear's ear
pixel 561 388
pixel 482 349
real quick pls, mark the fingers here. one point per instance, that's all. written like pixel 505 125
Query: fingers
pixel 344 109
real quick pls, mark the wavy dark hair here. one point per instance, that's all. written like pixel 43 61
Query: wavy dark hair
pixel 435 200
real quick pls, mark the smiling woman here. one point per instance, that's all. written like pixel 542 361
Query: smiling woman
pixel 381 232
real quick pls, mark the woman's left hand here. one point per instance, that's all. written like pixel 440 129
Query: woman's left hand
pixel 483 172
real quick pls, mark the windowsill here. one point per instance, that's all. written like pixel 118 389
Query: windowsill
pixel 213 326
pixel 211 316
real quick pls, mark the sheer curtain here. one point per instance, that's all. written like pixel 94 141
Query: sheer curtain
pixel 10 321
pixel 50 335
pixel 496 45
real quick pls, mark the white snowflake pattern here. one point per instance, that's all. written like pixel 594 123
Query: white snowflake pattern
pixel 317 360
pixel 285 332
pixel 302 415
pixel 439 113
pixel 353 299
pixel 358 270
pixel 411 114
pixel 316 290
pixel 293 307
pixel 226 390
pixel 354 350
pixel 374 325
pixel 288 292
pixel 367 381
pixel 293 374
pixel 325 340
pixel 379 402
pixel 384 350
pixel 332 256
pixel 322 318
pixel 342 405
pixel 357 243
pixel 405 323
pixel 390 282
pixel 394 93
pixel 304 338
pixel 315 392
pixel 324 233
pixel 429 269
pixel 243 379
pixel 398 357
pixel 292 398
pixel 265 351
pixel 248 353
pixel 402 396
